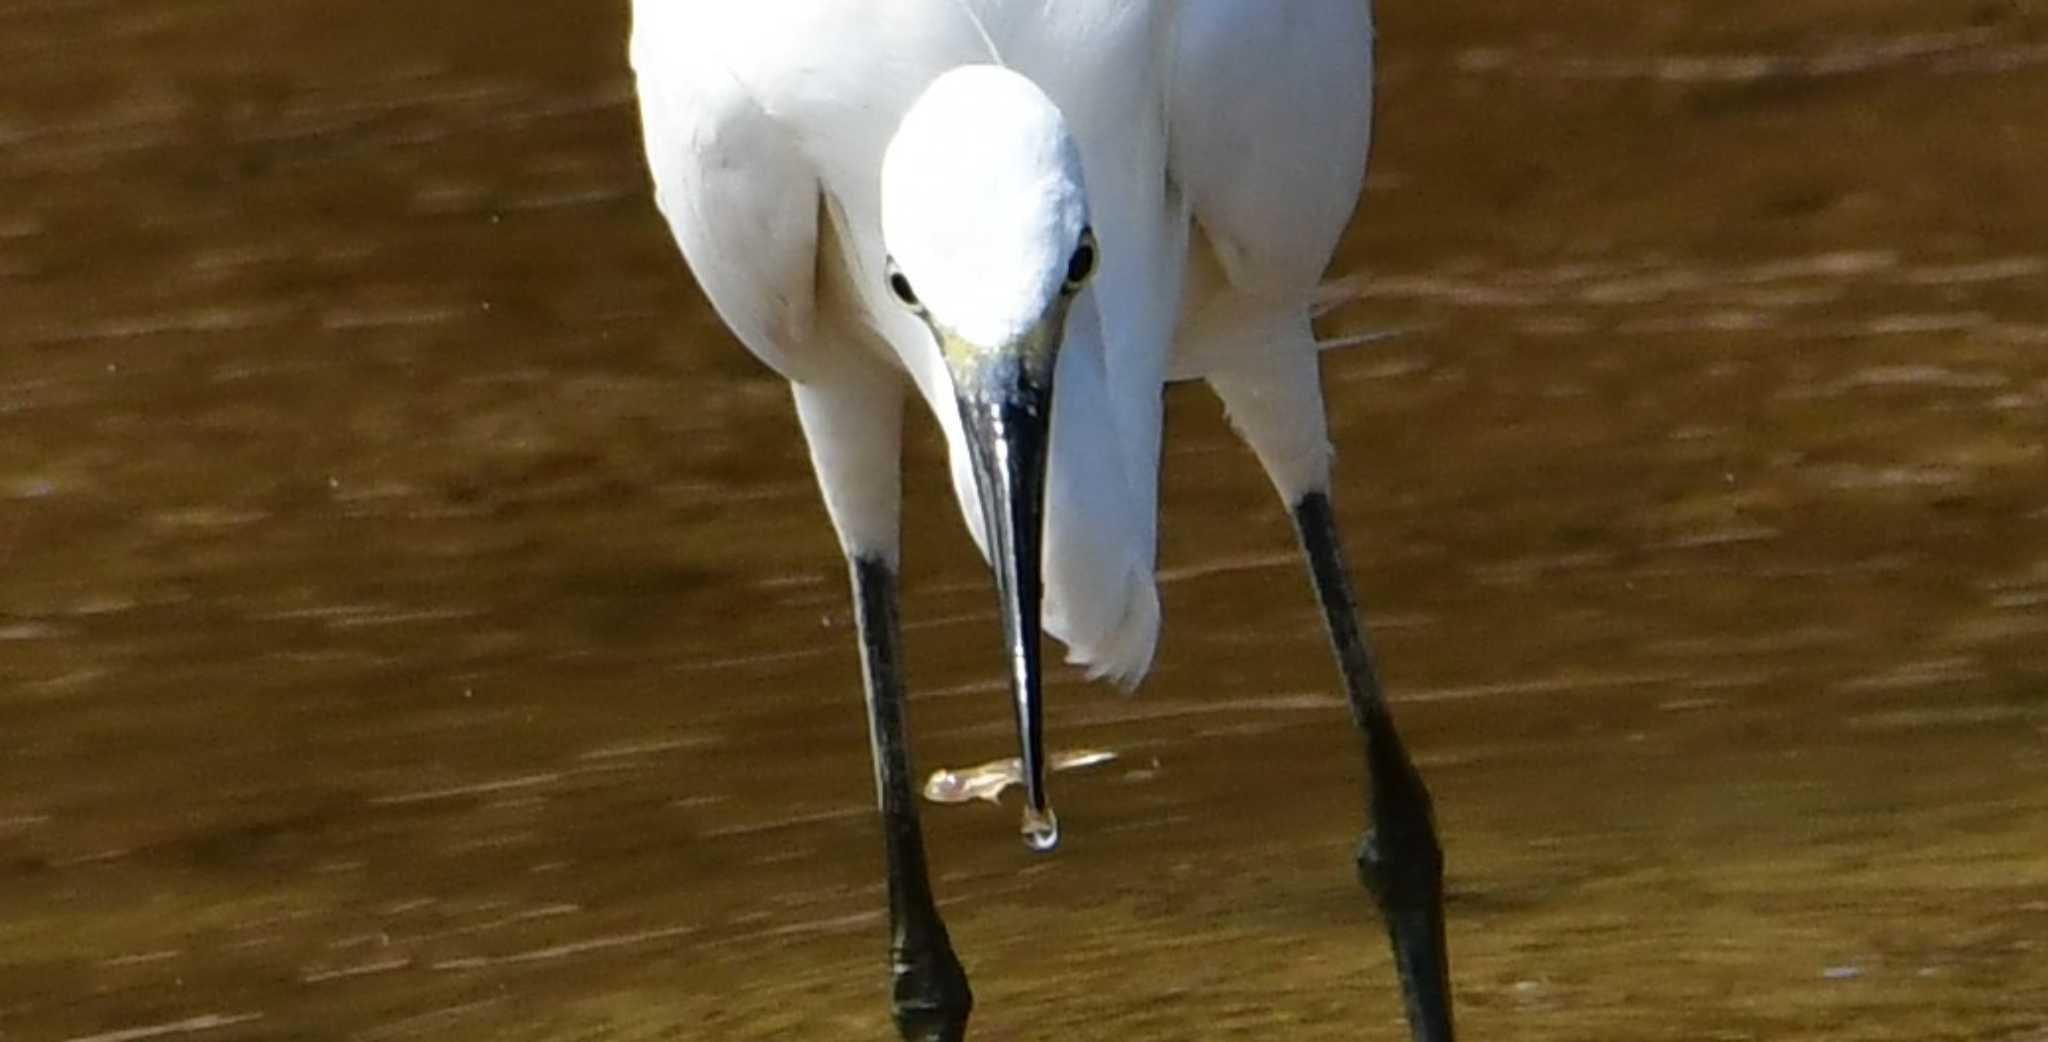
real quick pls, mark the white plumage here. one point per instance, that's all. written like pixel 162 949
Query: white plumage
pixel 1221 142
pixel 1036 213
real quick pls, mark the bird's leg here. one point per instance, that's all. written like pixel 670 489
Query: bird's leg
pixel 930 993
pixel 1399 859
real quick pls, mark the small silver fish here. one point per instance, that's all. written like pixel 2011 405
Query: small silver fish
pixel 987 781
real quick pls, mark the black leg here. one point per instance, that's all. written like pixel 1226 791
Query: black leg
pixel 1399 860
pixel 930 993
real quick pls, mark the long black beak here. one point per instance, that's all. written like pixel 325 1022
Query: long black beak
pixel 1005 403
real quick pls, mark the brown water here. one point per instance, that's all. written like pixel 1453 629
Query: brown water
pixel 418 622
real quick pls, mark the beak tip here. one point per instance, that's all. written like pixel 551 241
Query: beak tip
pixel 1041 830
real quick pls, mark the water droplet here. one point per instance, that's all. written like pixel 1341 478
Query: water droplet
pixel 1041 829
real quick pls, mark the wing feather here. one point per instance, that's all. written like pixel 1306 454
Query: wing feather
pixel 740 196
pixel 1269 113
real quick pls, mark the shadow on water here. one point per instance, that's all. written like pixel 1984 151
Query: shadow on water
pixel 418 621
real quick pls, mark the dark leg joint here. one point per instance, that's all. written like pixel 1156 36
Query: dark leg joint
pixel 1400 856
pixel 930 997
pixel 1398 870
pixel 1402 864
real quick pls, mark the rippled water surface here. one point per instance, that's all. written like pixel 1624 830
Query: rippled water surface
pixel 418 622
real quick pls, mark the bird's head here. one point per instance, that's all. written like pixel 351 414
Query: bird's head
pixel 985 219
pixel 985 215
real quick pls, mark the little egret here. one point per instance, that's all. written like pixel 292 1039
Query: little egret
pixel 1036 213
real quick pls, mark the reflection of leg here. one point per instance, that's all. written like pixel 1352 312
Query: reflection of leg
pixel 1399 860
pixel 930 995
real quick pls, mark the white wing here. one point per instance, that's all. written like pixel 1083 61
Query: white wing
pixel 1269 120
pixel 739 195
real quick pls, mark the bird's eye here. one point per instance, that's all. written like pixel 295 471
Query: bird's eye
pixel 899 287
pixel 1082 264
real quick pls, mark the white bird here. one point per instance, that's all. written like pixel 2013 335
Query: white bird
pixel 1036 213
